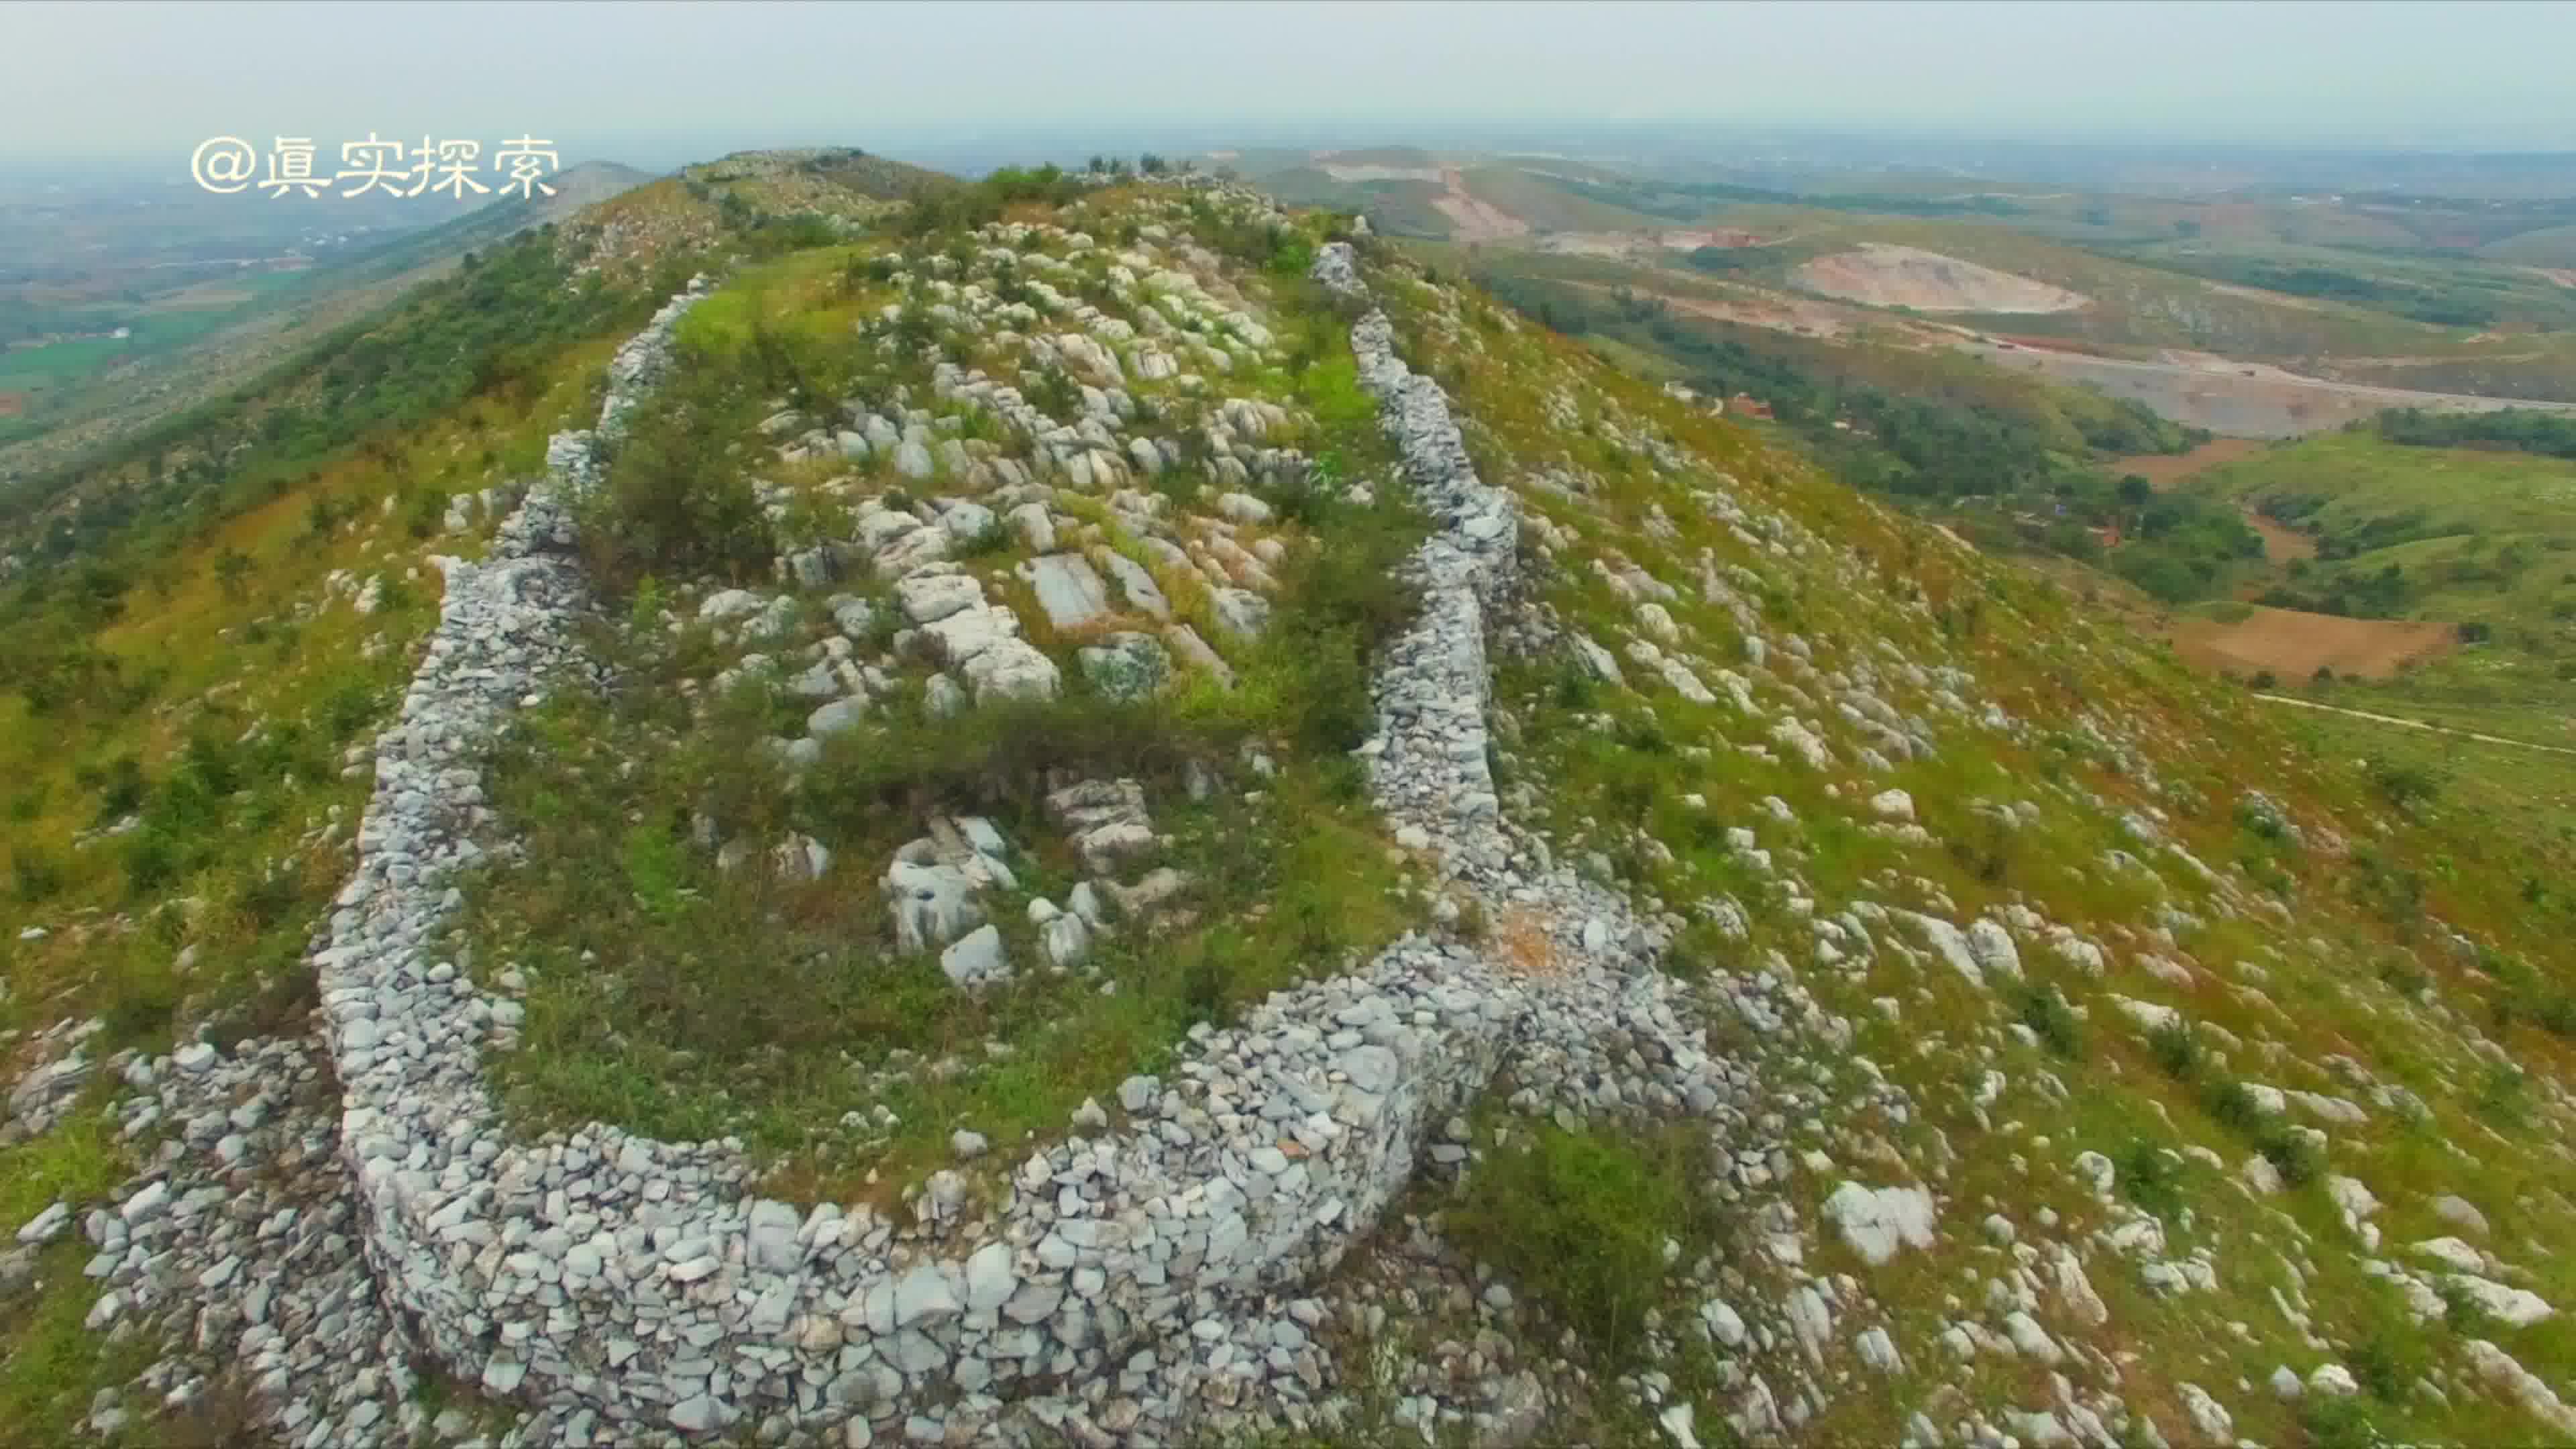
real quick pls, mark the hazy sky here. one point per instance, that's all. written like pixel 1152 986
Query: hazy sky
pixel 673 80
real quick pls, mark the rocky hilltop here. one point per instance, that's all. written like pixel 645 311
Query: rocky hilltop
pixel 1085 812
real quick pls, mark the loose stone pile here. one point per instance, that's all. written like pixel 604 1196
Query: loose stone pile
pixel 239 1243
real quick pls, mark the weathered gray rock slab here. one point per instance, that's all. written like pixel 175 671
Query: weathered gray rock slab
pixel 1068 590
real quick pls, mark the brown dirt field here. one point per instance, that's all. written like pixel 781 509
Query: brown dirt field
pixel 12 404
pixel 2281 543
pixel 2293 644
pixel 1893 276
pixel 1593 243
pixel 2164 470
pixel 1381 173
pixel 1767 310
pixel 1477 221
pixel 1691 241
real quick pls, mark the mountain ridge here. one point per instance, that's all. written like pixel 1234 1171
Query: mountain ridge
pixel 1792 915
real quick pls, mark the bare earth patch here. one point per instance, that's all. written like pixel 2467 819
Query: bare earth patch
pixel 1522 946
pixel 2281 543
pixel 2164 470
pixel 1382 173
pixel 1477 221
pixel 2294 644
pixel 2242 399
pixel 1882 275
pixel 1772 311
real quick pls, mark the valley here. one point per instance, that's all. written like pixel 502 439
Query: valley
pixel 172 329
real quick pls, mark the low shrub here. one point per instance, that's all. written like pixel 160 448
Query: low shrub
pixel 2043 1009
pixel 2177 1050
pixel 2149 1177
pixel 1578 1221
pixel 674 502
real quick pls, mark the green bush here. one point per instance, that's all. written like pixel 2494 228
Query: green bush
pixel 2044 1010
pixel 1332 390
pixel 656 869
pixel 2292 1155
pixel 2177 1050
pixel 2334 1422
pixel 2149 1178
pixel 141 997
pixel 1578 1222
pixel 2232 1106
pixel 1339 601
pixel 2404 786
pixel 151 860
pixel 674 503
pixel 35 877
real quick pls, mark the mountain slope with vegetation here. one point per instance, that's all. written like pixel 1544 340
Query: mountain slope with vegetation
pixel 204 358
pixel 2462 520
pixel 1082 810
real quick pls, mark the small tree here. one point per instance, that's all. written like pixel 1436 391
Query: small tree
pixel 2404 786
pixel 232 573
pixel 675 504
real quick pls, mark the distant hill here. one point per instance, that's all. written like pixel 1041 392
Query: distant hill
pixel 329 296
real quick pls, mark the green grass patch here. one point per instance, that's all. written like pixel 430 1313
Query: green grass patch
pixel 1578 1221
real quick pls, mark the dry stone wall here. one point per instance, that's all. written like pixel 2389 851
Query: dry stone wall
pixel 641 1292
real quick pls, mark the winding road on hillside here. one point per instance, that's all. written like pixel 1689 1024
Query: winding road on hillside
pixel 2417 724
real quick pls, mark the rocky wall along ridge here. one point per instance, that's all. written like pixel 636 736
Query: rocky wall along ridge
pixel 639 1287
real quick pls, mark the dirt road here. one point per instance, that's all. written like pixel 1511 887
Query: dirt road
pixel 2414 724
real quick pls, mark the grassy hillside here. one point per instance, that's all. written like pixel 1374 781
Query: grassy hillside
pixel 193 348
pixel 2477 536
pixel 2114 733
pixel 206 628
pixel 2009 459
pixel 189 658
pixel 2553 246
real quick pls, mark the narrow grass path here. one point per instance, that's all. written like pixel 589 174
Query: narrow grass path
pixel 2417 724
